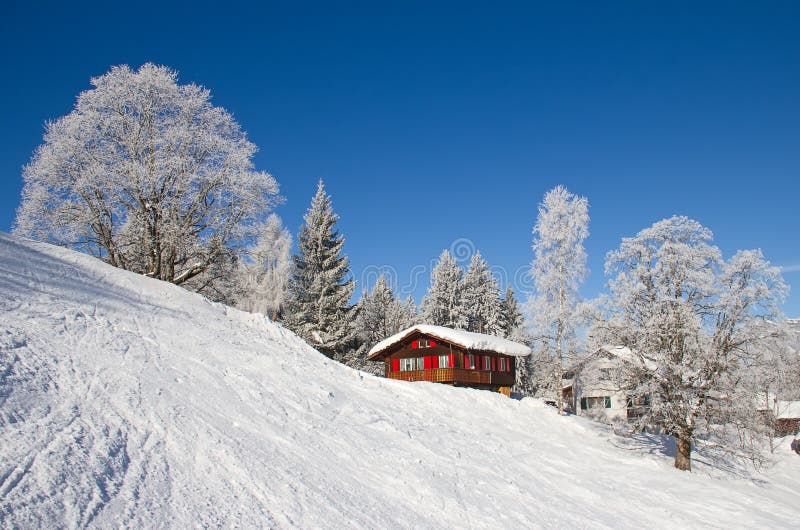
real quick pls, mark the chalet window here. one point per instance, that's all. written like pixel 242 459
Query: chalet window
pixel 501 364
pixel 414 363
pixel 601 402
pixel 423 343
pixel 487 363
pixel 444 361
pixel 469 361
pixel 608 374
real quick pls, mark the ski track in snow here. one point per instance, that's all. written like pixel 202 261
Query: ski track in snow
pixel 128 402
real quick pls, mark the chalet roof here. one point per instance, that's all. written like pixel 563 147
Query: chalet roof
pixel 458 337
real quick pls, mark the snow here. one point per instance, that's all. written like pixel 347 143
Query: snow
pixel 787 409
pixel 130 402
pixel 465 339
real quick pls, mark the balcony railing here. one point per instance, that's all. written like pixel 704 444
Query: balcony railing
pixel 455 375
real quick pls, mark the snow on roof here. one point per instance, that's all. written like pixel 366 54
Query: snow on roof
pixel 787 409
pixel 465 339
pixel 620 352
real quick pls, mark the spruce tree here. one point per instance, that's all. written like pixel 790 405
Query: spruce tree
pixel 480 299
pixel 320 310
pixel 380 315
pixel 442 306
pixel 511 320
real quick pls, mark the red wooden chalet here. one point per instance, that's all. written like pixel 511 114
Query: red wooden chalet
pixel 445 355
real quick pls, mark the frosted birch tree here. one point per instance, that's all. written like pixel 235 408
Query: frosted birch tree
pixel 149 176
pixel 442 305
pixel 265 272
pixel 319 308
pixel 480 298
pixel 692 317
pixel 558 269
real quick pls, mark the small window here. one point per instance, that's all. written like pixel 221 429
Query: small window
pixel 444 361
pixel 469 361
pixel 423 343
pixel 501 364
pixel 487 363
pixel 598 402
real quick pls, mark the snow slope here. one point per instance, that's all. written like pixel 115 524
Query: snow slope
pixel 125 401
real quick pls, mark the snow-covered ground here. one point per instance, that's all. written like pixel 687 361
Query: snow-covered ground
pixel 126 401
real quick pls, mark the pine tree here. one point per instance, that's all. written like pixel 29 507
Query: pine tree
pixel 442 306
pixel 380 315
pixel 511 320
pixel 558 269
pixel 480 298
pixel 320 311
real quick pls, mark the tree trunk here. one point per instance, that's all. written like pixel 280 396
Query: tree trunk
pixel 683 453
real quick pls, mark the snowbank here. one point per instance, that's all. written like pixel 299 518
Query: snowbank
pixel 125 401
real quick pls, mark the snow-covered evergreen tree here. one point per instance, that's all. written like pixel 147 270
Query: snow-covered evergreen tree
pixel 558 269
pixel 511 320
pixel 149 176
pixel 380 315
pixel 319 308
pixel 693 319
pixel 442 305
pixel 480 298
pixel 264 276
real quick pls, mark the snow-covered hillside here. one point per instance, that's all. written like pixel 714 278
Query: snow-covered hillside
pixel 125 401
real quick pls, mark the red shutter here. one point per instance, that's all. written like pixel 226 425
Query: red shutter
pixel 413 344
pixel 494 364
pixel 435 361
pixel 452 360
pixel 395 365
pixel 479 362
pixel 433 343
pixel 508 364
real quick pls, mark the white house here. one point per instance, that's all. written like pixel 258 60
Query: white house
pixel 595 386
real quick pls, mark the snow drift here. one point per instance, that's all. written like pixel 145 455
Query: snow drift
pixel 126 401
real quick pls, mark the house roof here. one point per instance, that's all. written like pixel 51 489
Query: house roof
pixel 787 409
pixel 620 352
pixel 458 337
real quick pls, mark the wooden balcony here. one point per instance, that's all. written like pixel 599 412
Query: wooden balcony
pixel 455 376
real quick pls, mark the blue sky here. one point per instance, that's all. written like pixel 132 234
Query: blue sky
pixel 434 122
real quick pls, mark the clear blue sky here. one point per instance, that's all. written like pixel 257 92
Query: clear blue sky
pixel 432 122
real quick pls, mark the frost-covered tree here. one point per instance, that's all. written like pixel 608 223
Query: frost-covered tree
pixel 151 177
pixel 558 269
pixel 265 272
pixel 480 298
pixel 511 321
pixel 693 318
pixel 380 315
pixel 442 305
pixel 319 309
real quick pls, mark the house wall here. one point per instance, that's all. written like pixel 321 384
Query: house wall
pixel 478 377
pixel 600 377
